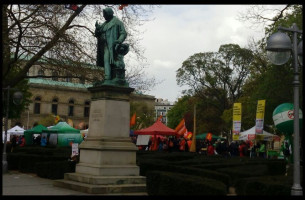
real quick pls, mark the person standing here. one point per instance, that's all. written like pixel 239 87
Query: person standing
pixel 14 143
pixel 22 143
pixel 262 150
pixel 43 141
pixel 182 145
pixel 241 149
pixel 210 149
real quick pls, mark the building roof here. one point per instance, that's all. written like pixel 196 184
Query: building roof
pixel 58 83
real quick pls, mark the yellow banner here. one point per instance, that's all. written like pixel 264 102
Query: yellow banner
pixel 236 120
pixel 237 112
pixel 260 112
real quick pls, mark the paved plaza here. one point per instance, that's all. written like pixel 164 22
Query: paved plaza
pixel 16 183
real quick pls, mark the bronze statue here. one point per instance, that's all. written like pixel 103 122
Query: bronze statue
pixel 110 48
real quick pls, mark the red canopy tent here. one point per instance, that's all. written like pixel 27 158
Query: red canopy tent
pixel 158 128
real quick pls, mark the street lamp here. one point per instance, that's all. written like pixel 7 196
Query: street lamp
pixel 278 49
pixel 17 99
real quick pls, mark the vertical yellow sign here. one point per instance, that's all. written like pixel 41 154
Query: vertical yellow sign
pixel 236 120
pixel 260 112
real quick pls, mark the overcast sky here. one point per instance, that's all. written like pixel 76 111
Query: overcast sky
pixel 180 31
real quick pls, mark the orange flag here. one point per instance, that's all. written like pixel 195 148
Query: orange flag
pixel 209 136
pixel 133 120
pixel 159 118
pixel 181 128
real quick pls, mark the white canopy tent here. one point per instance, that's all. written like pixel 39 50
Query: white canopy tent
pixel 250 135
pixel 16 130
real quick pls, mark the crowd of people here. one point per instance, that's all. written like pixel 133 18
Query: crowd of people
pixel 206 147
pixel 19 140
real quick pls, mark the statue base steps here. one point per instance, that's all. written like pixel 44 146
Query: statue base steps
pixel 104 185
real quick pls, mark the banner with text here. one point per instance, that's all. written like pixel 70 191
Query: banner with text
pixel 236 120
pixel 260 112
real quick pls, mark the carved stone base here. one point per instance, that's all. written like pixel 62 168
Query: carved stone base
pixel 108 152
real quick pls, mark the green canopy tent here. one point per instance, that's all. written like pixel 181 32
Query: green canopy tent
pixel 203 136
pixel 28 134
pixel 63 134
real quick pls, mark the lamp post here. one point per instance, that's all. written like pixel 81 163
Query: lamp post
pixel 17 98
pixel 278 52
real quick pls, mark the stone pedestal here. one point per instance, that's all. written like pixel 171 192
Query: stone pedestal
pixel 107 153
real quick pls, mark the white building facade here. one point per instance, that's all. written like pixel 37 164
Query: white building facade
pixel 161 109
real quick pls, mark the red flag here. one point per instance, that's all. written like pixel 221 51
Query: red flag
pixel 181 128
pixel 159 118
pixel 133 120
pixel 122 6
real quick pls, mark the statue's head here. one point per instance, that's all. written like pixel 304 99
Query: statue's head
pixel 108 14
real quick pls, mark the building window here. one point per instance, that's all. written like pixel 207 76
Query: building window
pixel 69 77
pixel 40 73
pixel 82 80
pixel 71 108
pixel 54 76
pixel 54 106
pixel 37 105
pixel 86 109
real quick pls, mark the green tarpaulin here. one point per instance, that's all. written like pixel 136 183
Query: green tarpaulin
pixel 62 127
pixel 28 134
pixel 37 129
pixel 66 134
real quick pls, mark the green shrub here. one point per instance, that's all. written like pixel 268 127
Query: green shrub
pixel 264 185
pixel 13 160
pixel 244 171
pixel 54 169
pixel 178 184
pixel 153 164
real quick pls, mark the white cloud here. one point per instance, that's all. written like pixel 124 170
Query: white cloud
pixel 179 31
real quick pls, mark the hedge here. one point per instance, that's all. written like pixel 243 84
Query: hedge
pixel 162 183
pixel 264 185
pixel 54 169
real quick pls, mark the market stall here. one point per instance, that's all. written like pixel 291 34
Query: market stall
pixel 250 135
pixel 16 130
pixel 62 134
pixel 39 129
pixel 157 130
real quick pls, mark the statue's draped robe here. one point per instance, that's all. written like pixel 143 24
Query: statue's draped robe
pixel 114 31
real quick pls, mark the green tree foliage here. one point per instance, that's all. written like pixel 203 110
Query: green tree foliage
pixel 216 80
pixel 179 111
pixel 267 81
pixel 16 110
pixel 144 115
pixel 217 75
pixel 49 120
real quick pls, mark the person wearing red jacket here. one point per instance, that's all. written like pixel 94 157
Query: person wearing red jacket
pixel 241 148
pixel 210 149
pixel 22 141
pixel 182 144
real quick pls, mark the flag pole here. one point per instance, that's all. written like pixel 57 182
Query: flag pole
pixel 193 146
